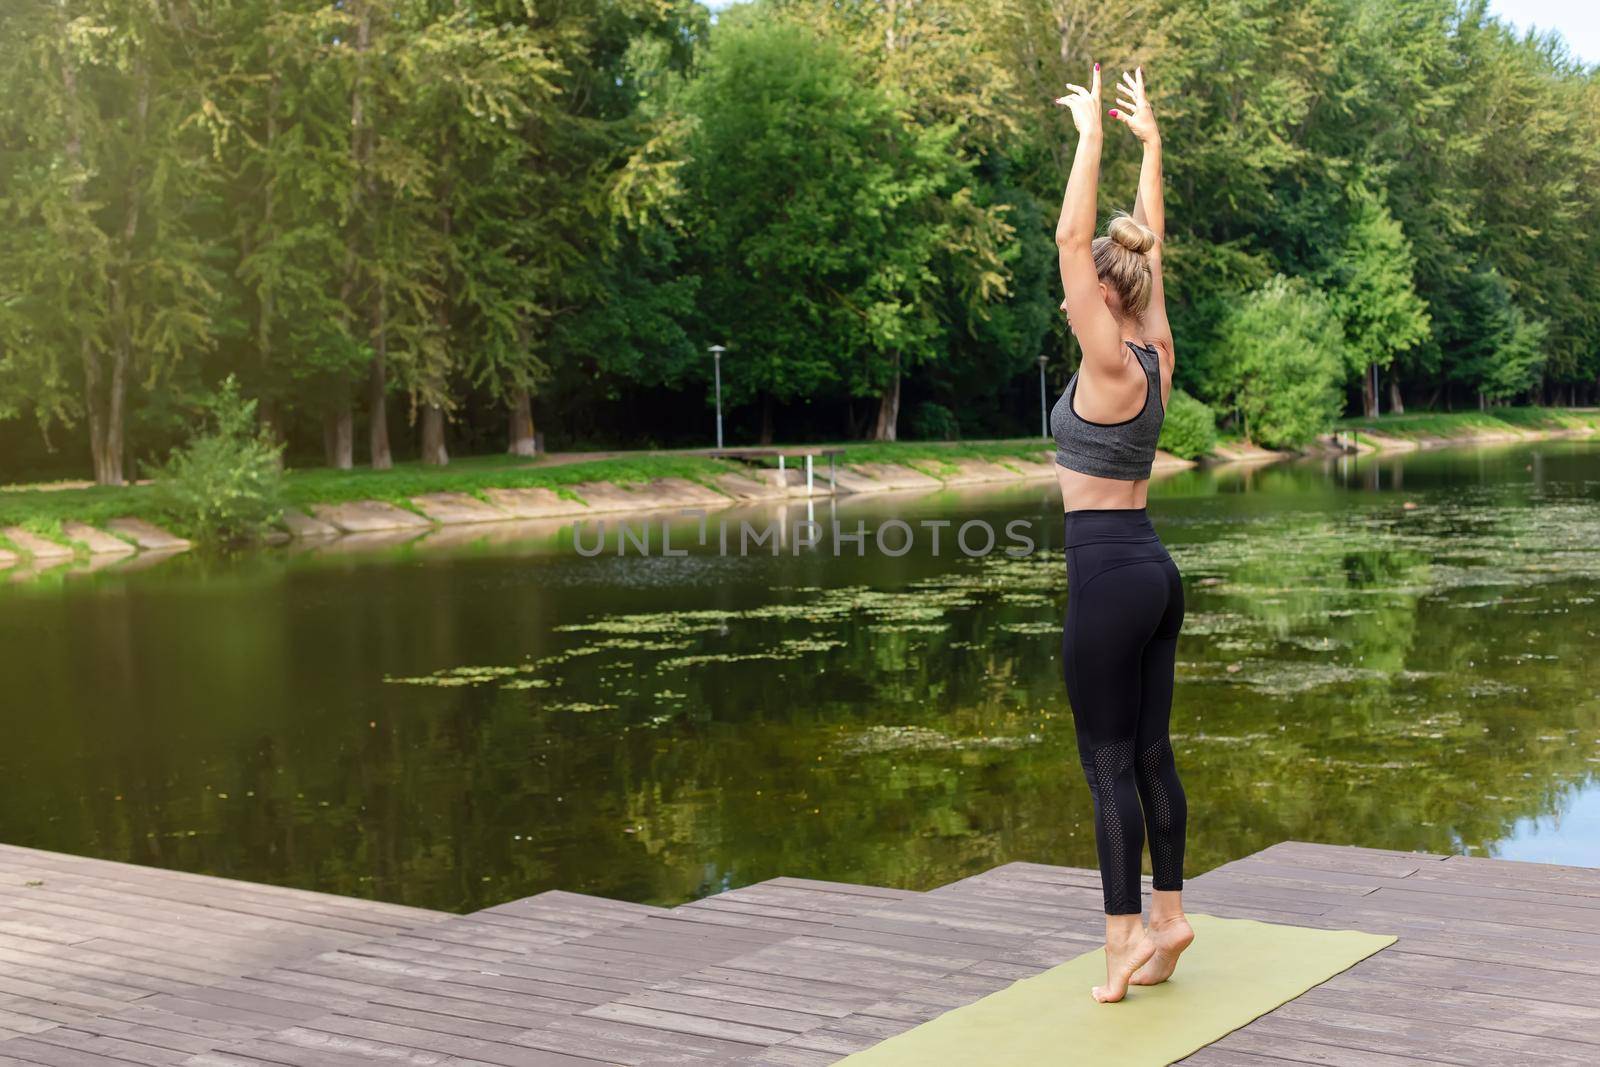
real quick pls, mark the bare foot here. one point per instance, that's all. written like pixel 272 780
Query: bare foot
pixel 1123 957
pixel 1170 936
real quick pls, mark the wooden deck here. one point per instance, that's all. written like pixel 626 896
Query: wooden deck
pixel 107 965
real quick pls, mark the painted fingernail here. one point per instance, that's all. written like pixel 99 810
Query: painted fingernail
pixel 1097 66
pixel 1113 112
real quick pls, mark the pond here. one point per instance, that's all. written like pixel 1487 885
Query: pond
pixel 1397 652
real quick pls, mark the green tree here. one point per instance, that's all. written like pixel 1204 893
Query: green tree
pixel 103 171
pixel 1369 281
pixel 823 219
pixel 1284 365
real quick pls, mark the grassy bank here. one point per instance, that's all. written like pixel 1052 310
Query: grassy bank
pixel 1468 425
pixel 44 511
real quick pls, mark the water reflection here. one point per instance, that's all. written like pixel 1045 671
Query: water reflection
pixel 1393 651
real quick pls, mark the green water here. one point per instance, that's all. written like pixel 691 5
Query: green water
pixel 453 723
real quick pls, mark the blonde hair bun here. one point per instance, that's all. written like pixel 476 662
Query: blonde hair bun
pixel 1121 262
pixel 1133 236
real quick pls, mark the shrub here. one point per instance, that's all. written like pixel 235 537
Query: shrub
pixel 226 483
pixel 1190 429
pixel 1280 363
pixel 934 422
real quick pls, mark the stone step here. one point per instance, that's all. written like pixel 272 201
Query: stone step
pixel 147 535
pixel 40 548
pixel 98 542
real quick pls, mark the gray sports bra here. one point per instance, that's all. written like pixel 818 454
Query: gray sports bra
pixel 1123 450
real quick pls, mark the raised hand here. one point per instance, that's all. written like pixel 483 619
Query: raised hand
pixel 1133 106
pixel 1085 104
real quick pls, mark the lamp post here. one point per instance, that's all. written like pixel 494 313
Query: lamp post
pixel 1044 417
pixel 716 362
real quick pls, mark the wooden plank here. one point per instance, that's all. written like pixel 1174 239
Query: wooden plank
pixel 847 888
pixel 1418 1034
pixel 653 1044
pixel 1350 860
pixel 326 1053
pixel 180 900
pixel 1356 991
pixel 1576 925
pixel 225 893
pixel 678 1023
pixel 1212 1056
pixel 30 1051
pixel 794 1020
pixel 20 952
pixel 1397 964
pixel 786 1056
pixel 813 1001
pixel 339 1032
pixel 1246 1040
pixel 77 1040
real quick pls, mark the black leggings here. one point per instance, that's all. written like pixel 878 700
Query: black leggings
pixel 1124 610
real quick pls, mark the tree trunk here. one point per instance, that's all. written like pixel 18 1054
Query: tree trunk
pixel 266 408
pixel 338 436
pixel 522 440
pixel 107 465
pixel 889 405
pixel 1369 392
pixel 338 429
pixel 433 450
pixel 1396 405
pixel 766 418
pixel 378 389
pixel 108 460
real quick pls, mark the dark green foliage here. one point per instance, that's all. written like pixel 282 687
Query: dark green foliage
pixel 934 422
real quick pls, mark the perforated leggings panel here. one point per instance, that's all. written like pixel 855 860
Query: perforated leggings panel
pixel 1118 652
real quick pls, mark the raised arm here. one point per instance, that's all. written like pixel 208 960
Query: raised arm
pixel 1149 205
pixel 1091 321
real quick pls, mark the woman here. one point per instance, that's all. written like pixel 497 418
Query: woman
pixel 1125 601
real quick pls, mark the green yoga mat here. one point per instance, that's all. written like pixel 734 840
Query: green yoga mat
pixel 1236 970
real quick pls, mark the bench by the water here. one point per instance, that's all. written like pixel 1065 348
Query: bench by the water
pixel 105 965
pixel 801 452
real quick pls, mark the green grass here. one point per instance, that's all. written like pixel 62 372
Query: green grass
pixel 1470 423
pixel 43 511
pixel 933 456
pixel 475 474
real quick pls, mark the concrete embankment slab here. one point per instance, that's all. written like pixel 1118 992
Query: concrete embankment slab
pixel 451 509
pixel 7 559
pixel 368 516
pixel 532 503
pixel 1167 461
pixel 302 525
pixel 660 493
pixel 877 477
pixel 40 549
pixel 974 471
pixel 147 535
pixel 98 542
pixel 764 487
